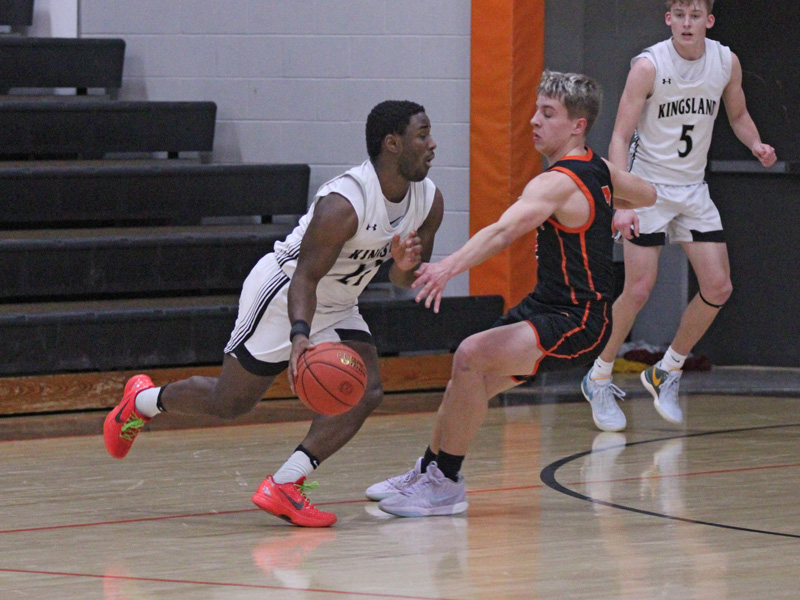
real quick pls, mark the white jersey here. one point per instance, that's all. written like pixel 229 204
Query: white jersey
pixel 674 131
pixel 370 247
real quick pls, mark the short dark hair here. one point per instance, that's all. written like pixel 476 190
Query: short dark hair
pixel 390 116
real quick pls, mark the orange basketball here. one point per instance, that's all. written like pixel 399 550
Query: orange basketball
pixel 331 378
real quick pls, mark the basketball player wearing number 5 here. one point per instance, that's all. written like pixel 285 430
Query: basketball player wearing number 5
pixel 306 292
pixel 667 109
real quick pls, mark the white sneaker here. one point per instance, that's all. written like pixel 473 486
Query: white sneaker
pixel 663 385
pixel 395 485
pixel 433 494
pixel 605 412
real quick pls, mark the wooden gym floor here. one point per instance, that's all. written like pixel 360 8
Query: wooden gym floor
pixel 557 509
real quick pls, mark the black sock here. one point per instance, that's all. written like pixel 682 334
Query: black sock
pixel 449 464
pixel 427 459
pixel 311 457
pixel 160 406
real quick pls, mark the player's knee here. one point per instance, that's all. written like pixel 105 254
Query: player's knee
pixel 373 396
pixel 638 294
pixel 467 356
pixel 718 292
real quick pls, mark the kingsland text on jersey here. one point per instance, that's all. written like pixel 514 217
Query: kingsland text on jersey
pixel 370 254
pixel 687 106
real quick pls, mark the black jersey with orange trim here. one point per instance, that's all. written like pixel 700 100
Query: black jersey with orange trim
pixel 576 263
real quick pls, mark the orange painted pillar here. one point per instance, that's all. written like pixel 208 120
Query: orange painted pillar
pixel 507 53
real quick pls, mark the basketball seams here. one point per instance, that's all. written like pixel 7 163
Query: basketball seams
pixel 324 387
pixel 326 364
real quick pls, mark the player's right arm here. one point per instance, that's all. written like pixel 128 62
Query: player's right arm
pixel 334 222
pixel 543 195
pixel 638 88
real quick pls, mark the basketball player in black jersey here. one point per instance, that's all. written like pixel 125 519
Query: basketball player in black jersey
pixel 564 322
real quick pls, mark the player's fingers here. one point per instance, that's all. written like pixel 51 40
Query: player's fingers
pixel 291 373
pixel 426 294
pixel 437 303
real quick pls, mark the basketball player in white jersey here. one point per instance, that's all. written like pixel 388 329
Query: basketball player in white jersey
pixel 667 110
pixel 305 293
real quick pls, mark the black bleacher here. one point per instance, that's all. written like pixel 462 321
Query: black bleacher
pixel 167 332
pixel 109 262
pixel 16 12
pixel 177 191
pixel 81 63
pixel 90 128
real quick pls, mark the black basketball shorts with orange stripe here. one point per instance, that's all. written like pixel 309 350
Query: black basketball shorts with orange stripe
pixel 569 336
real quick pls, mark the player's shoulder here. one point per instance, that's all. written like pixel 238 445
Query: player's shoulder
pixel 559 179
pixel 644 64
pixel 429 186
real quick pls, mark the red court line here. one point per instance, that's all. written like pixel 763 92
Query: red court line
pixel 221 584
pixel 213 513
pixel 341 502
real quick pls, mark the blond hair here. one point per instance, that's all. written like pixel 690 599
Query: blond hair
pixel 580 94
pixel 709 3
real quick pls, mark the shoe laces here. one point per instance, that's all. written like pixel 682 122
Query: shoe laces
pixel 131 427
pixel 605 395
pixel 425 479
pixel 671 380
pixel 408 477
pixel 304 487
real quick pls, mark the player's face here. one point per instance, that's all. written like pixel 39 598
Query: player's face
pixel 552 127
pixel 418 146
pixel 689 23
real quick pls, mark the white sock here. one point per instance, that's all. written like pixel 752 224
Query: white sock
pixel 672 361
pixel 147 402
pixel 298 465
pixel 601 369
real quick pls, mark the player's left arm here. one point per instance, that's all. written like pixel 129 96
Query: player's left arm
pixel 417 247
pixel 740 119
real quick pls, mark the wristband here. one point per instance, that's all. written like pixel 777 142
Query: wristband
pixel 299 327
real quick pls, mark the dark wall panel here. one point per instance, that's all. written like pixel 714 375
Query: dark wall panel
pixel 760 323
pixel 766 41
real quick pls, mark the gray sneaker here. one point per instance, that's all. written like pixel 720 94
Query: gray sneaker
pixel 605 412
pixel 663 385
pixel 394 485
pixel 433 494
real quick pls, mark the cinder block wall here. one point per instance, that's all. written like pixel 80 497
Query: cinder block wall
pixel 295 79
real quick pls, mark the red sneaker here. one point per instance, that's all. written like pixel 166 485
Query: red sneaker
pixel 123 423
pixel 289 502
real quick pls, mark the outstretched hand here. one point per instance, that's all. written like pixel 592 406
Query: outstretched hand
pixel 407 253
pixel 431 281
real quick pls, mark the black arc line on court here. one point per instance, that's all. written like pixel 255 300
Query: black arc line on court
pixel 548 477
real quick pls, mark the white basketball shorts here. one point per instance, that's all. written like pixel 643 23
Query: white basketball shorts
pixel 682 213
pixel 260 338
